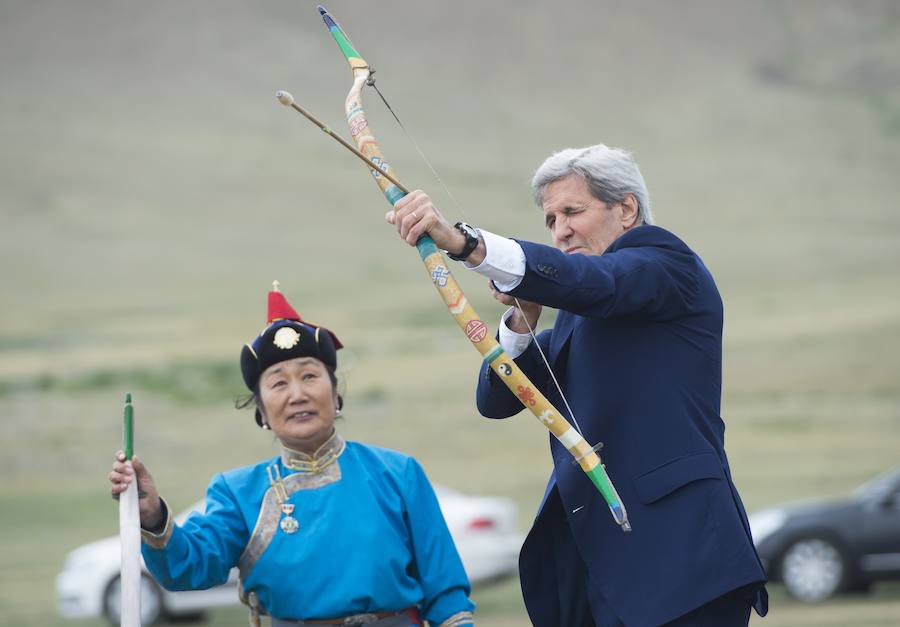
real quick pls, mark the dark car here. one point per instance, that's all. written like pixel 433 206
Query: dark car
pixel 820 548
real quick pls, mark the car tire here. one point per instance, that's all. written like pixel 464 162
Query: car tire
pixel 151 601
pixel 813 569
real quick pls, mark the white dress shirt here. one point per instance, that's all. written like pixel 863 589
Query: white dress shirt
pixel 504 264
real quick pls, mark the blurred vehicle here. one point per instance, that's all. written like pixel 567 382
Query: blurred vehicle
pixel 88 585
pixel 820 548
pixel 483 528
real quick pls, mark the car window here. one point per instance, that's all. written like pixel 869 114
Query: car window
pixel 881 487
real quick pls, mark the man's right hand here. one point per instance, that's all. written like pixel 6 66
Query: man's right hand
pixel 525 316
pixel 123 473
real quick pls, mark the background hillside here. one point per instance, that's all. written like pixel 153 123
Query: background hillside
pixel 151 188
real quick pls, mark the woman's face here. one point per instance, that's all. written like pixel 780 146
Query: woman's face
pixel 299 402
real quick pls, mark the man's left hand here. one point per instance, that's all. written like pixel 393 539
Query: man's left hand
pixel 415 215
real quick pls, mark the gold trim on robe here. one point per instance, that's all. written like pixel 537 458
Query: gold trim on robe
pixel 161 539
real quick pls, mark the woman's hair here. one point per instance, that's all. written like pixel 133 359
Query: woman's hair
pixel 247 400
pixel 610 174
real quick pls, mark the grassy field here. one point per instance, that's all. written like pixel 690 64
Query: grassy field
pixel 151 188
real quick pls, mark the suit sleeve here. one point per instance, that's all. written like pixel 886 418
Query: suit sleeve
pixel 200 553
pixel 494 399
pixel 439 568
pixel 645 282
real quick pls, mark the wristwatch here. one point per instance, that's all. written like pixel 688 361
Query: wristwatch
pixel 471 234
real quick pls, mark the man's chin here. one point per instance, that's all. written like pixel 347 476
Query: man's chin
pixel 580 250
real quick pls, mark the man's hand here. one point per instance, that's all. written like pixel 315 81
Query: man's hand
pixel 525 316
pixel 123 473
pixel 414 215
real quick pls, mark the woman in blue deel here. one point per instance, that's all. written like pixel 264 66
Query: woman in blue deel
pixel 328 532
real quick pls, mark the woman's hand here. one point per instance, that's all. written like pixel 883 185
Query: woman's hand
pixel 525 316
pixel 415 215
pixel 123 473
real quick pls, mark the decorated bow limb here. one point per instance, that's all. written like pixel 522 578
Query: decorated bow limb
pixel 462 311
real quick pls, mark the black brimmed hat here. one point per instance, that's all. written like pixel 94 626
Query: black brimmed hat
pixel 287 336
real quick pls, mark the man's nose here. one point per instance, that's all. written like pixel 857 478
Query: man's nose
pixel 561 231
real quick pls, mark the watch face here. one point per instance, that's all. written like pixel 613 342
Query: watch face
pixel 468 230
pixel 471 241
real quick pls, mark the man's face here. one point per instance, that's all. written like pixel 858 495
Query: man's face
pixel 581 223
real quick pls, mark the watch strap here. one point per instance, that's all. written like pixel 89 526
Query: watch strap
pixel 471 242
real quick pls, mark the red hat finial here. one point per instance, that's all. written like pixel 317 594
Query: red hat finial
pixel 279 308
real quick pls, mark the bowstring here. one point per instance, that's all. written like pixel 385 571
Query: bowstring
pixel 371 83
pixel 547 363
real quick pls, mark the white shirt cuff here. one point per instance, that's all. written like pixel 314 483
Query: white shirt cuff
pixel 513 343
pixel 504 261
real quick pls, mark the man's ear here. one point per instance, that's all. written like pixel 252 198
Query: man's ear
pixel 629 211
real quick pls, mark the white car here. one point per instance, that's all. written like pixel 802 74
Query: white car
pixel 483 528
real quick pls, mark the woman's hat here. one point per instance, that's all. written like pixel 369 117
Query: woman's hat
pixel 287 336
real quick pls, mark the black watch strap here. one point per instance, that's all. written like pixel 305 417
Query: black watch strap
pixel 471 241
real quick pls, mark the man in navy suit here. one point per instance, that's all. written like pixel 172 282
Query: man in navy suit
pixel 637 351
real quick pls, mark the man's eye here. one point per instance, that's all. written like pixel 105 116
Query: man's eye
pixel 279 384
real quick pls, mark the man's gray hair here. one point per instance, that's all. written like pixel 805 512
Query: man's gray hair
pixel 610 174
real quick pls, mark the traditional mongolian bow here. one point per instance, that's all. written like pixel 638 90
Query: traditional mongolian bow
pixel 462 311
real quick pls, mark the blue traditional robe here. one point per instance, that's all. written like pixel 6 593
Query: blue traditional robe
pixel 352 529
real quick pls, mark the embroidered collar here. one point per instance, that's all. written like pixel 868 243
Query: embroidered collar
pixel 324 456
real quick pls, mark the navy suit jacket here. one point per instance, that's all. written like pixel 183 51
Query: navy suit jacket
pixel 637 350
